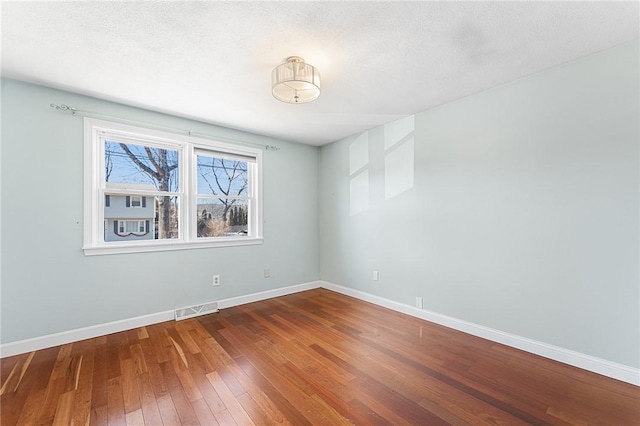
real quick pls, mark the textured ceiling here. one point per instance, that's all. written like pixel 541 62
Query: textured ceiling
pixel 380 61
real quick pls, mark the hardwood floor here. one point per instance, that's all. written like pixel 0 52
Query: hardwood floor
pixel 315 357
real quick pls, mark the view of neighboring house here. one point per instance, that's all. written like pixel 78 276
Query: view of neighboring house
pixel 129 217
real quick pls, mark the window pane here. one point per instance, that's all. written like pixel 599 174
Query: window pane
pixel 126 163
pixel 157 219
pixel 222 217
pixel 220 176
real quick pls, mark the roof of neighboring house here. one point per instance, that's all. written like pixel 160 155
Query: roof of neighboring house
pixel 142 186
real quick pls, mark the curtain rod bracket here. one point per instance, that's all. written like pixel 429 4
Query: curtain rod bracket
pixel 63 107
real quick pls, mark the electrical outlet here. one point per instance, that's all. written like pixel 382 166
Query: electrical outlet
pixel 419 302
pixel 376 275
pixel 267 272
pixel 216 280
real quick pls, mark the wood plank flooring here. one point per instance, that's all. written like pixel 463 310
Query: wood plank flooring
pixel 312 358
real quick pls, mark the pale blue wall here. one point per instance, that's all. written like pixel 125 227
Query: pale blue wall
pixel 523 214
pixel 49 286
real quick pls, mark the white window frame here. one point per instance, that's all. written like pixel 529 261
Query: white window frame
pixel 96 131
pixel 251 204
pixel 139 199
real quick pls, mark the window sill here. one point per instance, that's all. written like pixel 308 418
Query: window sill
pixel 116 248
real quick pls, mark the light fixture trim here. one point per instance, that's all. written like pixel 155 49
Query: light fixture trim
pixel 295 81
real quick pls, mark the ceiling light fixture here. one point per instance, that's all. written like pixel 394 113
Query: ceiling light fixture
pixel 295 82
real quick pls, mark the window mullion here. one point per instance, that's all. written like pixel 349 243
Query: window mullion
pixel 187 205
pixel 141 192
pixel 97 197
pixel 250 203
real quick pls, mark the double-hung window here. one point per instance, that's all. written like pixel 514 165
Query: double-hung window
pixel 147 190
pixel 136 201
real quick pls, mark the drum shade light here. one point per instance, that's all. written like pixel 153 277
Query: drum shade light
pixel 295 82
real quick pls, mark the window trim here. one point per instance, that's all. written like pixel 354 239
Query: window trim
pixel 136 198
pixel 187 147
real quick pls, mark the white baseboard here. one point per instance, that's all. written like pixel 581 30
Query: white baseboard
pixel 62 338
pixel 586 362
pixel 269 294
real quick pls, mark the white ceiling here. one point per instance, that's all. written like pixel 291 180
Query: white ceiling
pixel 380 61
